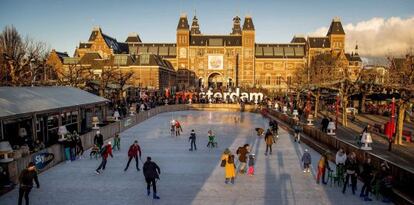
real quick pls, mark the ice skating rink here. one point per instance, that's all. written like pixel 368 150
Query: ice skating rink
pixel 191 177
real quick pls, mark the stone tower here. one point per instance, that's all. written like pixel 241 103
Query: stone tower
pixel 183 41
pixel 336 35
pixel 247 71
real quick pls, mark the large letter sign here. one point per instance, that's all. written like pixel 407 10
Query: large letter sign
pixel 256 97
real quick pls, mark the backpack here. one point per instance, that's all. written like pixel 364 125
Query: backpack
pixel 231 159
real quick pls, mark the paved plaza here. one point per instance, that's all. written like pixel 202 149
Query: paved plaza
pixel 191 177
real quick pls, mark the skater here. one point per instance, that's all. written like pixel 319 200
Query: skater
pixel 340 160
pixel 227 161
pixel 351 170
pixel 275 129
pixel 297 129
pixel 327 167
pixel 259 131
pixel 94 151
pixel 98 139
pixel 26 182
pixel 242 152
pixel 211 140
pixel 117 142
pixel 252 159
pixel 172 125
pixel 151 173
pixel 133 152
pixel 178 128
pixel 367 176
pixel 79 146
pixel 321 169
pixel 192 140
pixel 105 151
pixel 307 160
pixel 269 141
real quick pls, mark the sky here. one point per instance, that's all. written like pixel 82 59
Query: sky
pixel 380 27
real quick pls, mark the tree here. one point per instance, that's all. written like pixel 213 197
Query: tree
pixel 122 78
pixel 74 74
pixel 23 61
pixel 401 79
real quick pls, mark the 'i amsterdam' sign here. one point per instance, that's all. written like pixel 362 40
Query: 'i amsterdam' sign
pixel 233 95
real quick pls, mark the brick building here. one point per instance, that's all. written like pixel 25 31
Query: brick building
pixel 217 61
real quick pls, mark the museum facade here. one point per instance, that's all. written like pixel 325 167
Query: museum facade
pixel 217 61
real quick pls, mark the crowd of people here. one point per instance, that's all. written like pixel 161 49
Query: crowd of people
pixel 347 172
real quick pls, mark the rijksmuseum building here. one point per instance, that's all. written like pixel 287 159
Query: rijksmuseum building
pixel 198 60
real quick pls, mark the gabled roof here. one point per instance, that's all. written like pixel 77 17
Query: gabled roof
pixel 248 23
pixel 298 39
pixel 133 38
pixel 319 42
pixel 27 100
pixel 353 57
pixel 89 58
pixel 109 41
pixel 183 23
pixel 336 27
pixel 61 55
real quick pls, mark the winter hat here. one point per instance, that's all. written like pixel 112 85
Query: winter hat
pixel 227 151
pixel 306 150
pixel 109 142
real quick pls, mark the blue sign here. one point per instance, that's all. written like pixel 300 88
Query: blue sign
pixel 41 160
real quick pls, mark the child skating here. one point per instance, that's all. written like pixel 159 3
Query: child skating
pixel 252 160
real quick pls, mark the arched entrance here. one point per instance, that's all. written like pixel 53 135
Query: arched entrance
pixel 215 80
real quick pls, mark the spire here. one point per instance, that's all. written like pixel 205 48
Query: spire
pixel 183 22
pixel 248 23
pixel 356 49
pixel 195 28
pixel 336 27
pixel 236 26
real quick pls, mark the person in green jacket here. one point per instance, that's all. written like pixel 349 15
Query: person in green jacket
pixel 117 142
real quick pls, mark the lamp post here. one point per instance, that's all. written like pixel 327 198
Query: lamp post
pixel 337 111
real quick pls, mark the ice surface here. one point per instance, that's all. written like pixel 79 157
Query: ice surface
pixel 191 177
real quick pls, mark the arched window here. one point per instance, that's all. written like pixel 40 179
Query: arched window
pixel 268 79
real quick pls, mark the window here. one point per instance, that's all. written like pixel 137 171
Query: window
pixel 289 80
pixel 268 80
pixel 278 80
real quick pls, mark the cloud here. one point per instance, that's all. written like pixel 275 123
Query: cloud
pixel 378 36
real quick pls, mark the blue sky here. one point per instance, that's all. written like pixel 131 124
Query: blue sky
pixel 63 24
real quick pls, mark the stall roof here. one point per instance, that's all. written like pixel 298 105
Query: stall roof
pixel 25 100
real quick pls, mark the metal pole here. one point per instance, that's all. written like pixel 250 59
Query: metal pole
pixel 337 111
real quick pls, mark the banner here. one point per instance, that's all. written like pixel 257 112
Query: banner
pixel 41 160
pixel 215 62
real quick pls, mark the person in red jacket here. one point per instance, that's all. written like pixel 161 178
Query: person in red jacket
pixel 133 152
pixel 105 152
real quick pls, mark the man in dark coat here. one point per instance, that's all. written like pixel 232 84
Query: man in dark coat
pixel 26 182
pixel 324 124
pixel 98 139
pixel 242 152
pixel 133 152
pixel 192 140
pixel 151 173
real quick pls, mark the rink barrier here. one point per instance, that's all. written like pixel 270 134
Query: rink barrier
pixel 403 177
pixel 109 131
